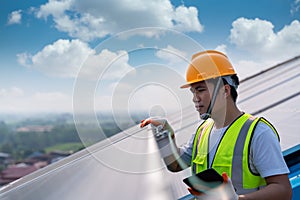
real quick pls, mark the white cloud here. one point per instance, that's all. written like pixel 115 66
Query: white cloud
pixel 11 92
pixel 106 65
pixel 15 17
pixel 54 7
pixel 245 68
pixel 150 85
pixel 172 55
pixel 222 48
pixel 69 59
pixel 91 19
pixel 127 97
pixel 186 19
pixel 15 99
pixel 51 101
pixel 289 37
pixel 63 58
pixel 252 34
pixel 258 38
pixel 24 59
pixel 295 7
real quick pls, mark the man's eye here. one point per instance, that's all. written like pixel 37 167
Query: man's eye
pixel 200 89
pixel 197 90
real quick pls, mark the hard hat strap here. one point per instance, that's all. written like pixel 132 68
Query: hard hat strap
pixel 207 115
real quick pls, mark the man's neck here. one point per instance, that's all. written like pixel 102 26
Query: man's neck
pixel 227 118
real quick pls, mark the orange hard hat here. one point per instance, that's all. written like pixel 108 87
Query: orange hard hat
pixel 207 65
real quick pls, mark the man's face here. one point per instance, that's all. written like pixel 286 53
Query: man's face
pixel 201 95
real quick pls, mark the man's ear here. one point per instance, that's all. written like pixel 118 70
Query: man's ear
pixel 227 90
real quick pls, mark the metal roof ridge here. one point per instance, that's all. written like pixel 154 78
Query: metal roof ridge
pixel 276 103
pixel 269 69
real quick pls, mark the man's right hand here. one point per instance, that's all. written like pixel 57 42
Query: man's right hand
pixel 167 145
pixel 162 132
pixel 158 125
pixel 153 121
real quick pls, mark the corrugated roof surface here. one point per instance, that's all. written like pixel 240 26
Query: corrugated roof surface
pixel 128 166
pixel 275 94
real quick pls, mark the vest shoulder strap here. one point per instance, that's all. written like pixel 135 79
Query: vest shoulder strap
pixel 262 119
pixel 237 160
pixel 198 134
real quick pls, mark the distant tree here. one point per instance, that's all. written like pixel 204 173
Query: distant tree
pixel 6 148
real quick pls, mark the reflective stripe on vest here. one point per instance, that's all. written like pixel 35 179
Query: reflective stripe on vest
pixel 232 154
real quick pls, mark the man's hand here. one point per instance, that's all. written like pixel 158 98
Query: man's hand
pixel 224 192
pixel 158 125
pixel 152 121
pixel 162 133
pixel 167 145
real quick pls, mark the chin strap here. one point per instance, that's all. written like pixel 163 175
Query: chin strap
pixel 207 115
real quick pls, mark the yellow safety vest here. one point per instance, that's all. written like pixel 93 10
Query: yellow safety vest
pixel 232 154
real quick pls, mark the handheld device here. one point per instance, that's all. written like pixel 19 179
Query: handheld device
pixel 204 181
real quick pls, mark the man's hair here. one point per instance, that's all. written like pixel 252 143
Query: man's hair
pixel 233 91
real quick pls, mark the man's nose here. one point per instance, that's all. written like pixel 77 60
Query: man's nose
pixel 196 97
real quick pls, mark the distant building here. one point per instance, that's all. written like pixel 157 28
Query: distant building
pixel 38 157
pixel 15 172
pixel 5 159
pixel 35 128
pixel 58 155
pixel 34 162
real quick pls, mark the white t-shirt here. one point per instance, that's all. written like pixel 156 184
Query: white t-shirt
pixel 265 152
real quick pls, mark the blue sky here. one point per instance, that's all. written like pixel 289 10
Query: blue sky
pixel 48 46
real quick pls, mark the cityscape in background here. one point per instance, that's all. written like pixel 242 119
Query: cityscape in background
pixel 30 142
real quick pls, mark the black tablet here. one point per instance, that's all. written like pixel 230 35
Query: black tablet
pixel 204 181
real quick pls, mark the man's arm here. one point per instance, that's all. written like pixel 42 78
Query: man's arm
pixel 167 145
pixel 270 164
pixel 278 187
pixel 172 163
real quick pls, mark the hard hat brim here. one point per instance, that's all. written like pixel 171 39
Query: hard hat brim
pixel 187 85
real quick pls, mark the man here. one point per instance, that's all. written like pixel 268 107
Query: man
pixel 228 140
